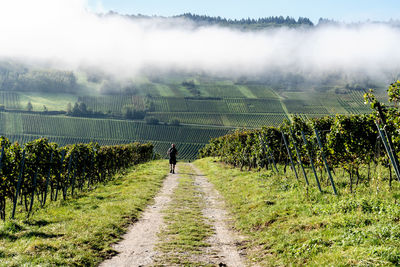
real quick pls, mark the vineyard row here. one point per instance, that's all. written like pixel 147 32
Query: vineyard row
pixel 39 171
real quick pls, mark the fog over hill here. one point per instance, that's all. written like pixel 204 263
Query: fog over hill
pixel 63 34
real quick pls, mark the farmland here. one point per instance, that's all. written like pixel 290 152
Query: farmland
pixel 183 109
pixel 65 130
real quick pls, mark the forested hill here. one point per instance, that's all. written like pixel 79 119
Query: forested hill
pixel 244 23
pixel 249 22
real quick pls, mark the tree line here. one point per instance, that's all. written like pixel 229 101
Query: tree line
pixel 38 81
pixel 266 21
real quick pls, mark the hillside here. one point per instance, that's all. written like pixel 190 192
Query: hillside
pixel 185 109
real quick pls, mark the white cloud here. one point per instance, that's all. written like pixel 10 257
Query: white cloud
pixel 65 33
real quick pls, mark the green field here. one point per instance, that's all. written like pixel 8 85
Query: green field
pixel 205 107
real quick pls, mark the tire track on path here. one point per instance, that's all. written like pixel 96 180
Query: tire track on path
pixel 137 248
pixel 225 240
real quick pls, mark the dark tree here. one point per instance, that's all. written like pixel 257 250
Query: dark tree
pixel 29 106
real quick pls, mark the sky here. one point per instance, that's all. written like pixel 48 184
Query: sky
pixel 341 10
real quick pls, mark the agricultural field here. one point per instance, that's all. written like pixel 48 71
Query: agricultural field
pixel 106 104
pixel 204 107
pixel 248 120
pixel 68 130
pixel 10 100
pixel 53 102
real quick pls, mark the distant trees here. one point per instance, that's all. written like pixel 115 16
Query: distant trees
pixel 191 86
pixel 323 21
pixel 266 21
pixel 38 80
pixel 130 112
pixel 80 110
pixel 152 120
pixel 29 106
pixel 175 122
pixel 69 108
pixel 245 23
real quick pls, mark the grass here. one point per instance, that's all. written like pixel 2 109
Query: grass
pixel 288 225
pixel 53 101
pixel 79 231
pixel 185 236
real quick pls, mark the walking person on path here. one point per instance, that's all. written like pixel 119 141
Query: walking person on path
pixel 172 153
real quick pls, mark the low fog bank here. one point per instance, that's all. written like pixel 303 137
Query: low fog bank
pixel 64 35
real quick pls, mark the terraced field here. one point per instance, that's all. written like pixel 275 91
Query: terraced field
pixel 106 104
pixel 249 120
pixel 305 107
pixel 212 90
pixel 10 100
pixel 262 91
pixel 68 130
pixel 215 106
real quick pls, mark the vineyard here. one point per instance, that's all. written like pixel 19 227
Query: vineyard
pixel 106 104
pixel 316 148
pixel 217 105
pixel 232 112
pixel 10 100
pixel 305 106
pixel 43 171
pixel 164 110
pixel 221 119
pixel 70 130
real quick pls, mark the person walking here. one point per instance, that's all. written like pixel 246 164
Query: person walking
pixel 172 153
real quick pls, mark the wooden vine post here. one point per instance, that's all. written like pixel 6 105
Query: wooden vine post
pixel 59 174
pixel 265 152
pixel 299 156
pixel 47 179
pixel 290 154
pixel 389 150
pixel 325 162
pixel 67 178
pixel 34 182
pixel 311 161
pixel 272 157
pixel 20 177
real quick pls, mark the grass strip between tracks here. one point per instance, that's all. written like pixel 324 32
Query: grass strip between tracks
pixel 184 238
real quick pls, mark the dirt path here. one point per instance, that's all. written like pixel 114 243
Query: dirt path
pixel 138 246
pixel 225 239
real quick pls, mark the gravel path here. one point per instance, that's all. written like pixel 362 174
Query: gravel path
pixel 138 246
pixel 225 239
